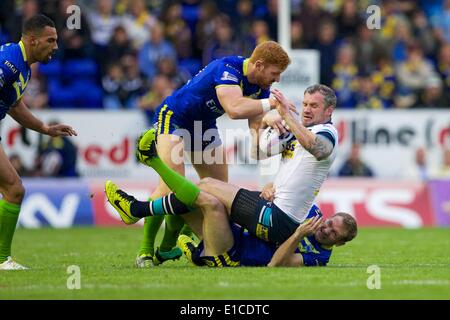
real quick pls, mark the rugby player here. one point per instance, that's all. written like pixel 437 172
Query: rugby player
pixel 38 44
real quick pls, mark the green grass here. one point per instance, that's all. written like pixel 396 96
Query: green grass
pixel 414 264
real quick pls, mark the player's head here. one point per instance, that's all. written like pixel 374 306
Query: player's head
pixel 269 60
pixel 319 102
pixel 337 230
pixel 39 33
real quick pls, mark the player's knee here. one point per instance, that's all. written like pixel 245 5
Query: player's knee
pixel 15 191
pixel 209 203
pixel 206 183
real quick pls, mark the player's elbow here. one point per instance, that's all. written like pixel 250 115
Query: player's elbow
pixel 233 114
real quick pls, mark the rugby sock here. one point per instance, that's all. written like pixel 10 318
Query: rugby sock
pixel 186 191
pixel 151 227
pixel 9 214
pixel 174 225
pixel 166 205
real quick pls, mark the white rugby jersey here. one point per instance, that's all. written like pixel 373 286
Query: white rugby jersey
pixel 301 175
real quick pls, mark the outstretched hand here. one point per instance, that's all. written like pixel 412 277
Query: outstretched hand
pixel 58 130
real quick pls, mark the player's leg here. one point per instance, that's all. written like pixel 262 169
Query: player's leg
pixel 13 192
pixel 175 224
pixel 167 143
pixel 217 235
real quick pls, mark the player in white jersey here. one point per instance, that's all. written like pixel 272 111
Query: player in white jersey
pixel 275 213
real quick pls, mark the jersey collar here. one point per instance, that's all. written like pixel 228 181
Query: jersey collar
pixel 22 48
pixel 245 67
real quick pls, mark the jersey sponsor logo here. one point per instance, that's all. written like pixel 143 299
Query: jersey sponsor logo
pixel 10 66
pixel 288 152
pixel 230 77
pixel 212 106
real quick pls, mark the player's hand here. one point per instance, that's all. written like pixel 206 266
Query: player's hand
pixel 268 192
pixel 274 120
pixel 284 107
pixel 58 130
pixel 310 227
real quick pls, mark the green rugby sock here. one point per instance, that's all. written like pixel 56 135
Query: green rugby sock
pixel 9 214
pixel 174 224
pixel 151 228
pixel 186 191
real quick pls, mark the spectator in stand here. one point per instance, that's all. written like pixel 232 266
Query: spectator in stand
pixel 401 41
pixel 132 85
pixel 348 20
pixel 297 36
pixel 152 51
pixel 366 95
pixel 138 22
pixel 36 97
pixel 161 88
pixel 177 31
pixel 269 13
pixel 118 46
pixel 390 17
pixel 206 25
pixel 432 96
pixel 384 78
pixel 354 166
pixel 112 87
pixel 102 22
pixel 345 73
pixel 312 15
pixel 366 47
pixel 423 32
pixel 74 43
pixel 259 32
pixel 242 22
pixel 223 44
pixel 29 9
pixel 441 23
pixel 177 75
pixel 327 45
pixel 412 75
pixel 419 169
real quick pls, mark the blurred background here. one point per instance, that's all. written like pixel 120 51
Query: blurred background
pixel 389 66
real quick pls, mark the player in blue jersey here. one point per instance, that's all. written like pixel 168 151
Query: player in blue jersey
pixel 38 44
pixel 237 86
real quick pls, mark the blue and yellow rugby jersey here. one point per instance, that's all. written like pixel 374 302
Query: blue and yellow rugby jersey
pixel 255 252
pixel 197 100
pixel 14 75
pixel 248 250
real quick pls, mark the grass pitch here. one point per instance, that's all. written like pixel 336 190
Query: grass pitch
pixel 414 264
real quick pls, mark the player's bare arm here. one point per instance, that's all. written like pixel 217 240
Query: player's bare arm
pixel 285 255
pixel 320 147
pixel 239 107
pixel 23 116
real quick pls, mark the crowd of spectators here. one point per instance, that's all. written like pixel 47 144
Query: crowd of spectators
pixel 132 53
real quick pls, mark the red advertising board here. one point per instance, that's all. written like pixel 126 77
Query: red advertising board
pixel 378 203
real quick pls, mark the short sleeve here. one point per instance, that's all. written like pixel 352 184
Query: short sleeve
pixel 227 75
pixel 313 259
